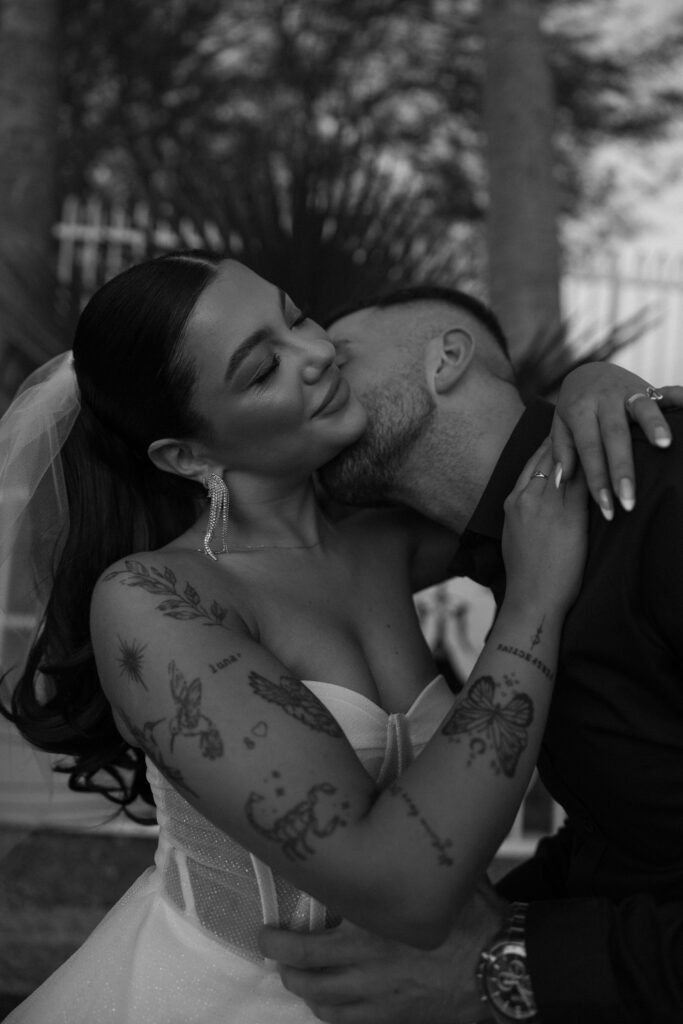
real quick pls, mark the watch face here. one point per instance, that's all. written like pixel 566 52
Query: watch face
pixel 508 987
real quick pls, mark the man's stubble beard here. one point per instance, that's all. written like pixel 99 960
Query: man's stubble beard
pixel 370 471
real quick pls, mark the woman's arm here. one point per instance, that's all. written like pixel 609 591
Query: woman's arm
pixel 260 756
pixel 592 429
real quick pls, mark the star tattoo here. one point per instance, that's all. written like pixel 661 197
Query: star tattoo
pixel 130 660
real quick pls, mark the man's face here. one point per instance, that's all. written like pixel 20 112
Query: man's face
pixel 381 354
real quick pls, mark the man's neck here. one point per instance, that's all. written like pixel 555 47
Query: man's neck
pixel 449 467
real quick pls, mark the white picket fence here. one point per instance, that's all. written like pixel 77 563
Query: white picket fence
pixel 95 242
pixel 611 287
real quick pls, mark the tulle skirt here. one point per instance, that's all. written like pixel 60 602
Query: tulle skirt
pixel 147 964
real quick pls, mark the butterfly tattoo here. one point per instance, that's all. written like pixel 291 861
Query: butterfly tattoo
pixel 492 725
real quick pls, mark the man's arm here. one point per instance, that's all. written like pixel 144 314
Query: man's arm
pixel 350 976
pixel 591 960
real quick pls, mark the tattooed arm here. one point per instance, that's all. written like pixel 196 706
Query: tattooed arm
pixel 260 756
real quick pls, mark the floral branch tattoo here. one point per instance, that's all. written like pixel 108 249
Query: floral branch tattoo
pixel 319 815
pixel 130 660
pixel 296 700
pixel 164 583
pixel 490 726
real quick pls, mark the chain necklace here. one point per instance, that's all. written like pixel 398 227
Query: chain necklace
pixel 275 547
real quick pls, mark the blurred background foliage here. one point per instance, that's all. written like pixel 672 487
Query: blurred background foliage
pixel 338 146
pixel 156 94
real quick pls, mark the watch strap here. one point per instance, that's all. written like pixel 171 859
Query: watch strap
pixel 513 934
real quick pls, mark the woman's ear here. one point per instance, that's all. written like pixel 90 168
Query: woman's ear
pixel 452 355
pixel 180 458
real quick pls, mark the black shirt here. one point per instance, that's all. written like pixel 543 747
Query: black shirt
pixel 605 928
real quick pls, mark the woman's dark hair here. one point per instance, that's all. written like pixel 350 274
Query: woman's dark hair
pixel 136 385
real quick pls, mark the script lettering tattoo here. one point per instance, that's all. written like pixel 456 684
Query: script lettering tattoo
pixel 318 815
pixel 146 740
pixel 164 583
pixel 188 719
pixel 224 663
pixel 130 660
pixel 260 730
pixel 491 726
pixel 296 700
pixel 440 845
pixel 517 652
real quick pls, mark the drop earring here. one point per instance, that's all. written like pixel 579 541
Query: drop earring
pixel 219 509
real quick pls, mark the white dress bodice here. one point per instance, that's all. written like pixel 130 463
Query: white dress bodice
pixel 218 885
pixel 180 946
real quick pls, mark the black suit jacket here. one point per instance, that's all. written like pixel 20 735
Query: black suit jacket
pixel 605 925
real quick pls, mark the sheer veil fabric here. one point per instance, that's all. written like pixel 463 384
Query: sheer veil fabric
pixel 35 517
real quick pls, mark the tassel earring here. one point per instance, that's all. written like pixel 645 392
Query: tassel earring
pixel 218 510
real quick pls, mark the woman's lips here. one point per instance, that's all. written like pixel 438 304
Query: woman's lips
pixel 337 396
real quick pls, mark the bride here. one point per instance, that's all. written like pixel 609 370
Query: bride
pixel 264 656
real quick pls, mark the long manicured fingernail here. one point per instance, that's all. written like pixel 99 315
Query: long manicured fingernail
pixel 605 503
pixel 662 437
pixel 558 474
pixel 627 494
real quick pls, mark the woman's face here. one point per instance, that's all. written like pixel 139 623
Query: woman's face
pixel 267 382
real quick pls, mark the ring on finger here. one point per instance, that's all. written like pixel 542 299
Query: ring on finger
pixel 650 392
pixel 540 475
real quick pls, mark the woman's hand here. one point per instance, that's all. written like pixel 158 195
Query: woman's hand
pixel 544 539
pixel 591 422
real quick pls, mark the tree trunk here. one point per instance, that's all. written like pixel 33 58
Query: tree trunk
pixel 28 138
pixel 523 252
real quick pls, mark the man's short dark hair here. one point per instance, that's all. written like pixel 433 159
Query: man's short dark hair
pixel 430 293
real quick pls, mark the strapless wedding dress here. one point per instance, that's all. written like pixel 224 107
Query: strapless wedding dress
pixel 180 946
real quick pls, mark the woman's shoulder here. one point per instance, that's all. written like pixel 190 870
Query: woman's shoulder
pixel 166 583
pixel 151 571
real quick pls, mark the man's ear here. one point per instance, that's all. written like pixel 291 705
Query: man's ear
pixel 180 458
pixel 452 354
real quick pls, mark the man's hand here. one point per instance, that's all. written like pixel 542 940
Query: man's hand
pixel 349 976
pixel 591 420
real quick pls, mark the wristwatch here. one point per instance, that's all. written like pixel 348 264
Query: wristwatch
pixel 503 974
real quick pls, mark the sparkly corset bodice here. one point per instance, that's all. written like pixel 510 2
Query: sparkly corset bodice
pixel 217 884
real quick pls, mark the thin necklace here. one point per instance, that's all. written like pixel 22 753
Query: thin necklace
pixel 275 547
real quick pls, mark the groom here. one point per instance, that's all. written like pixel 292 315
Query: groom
pixel 591 929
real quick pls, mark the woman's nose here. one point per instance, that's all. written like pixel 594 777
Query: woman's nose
pixel 319 356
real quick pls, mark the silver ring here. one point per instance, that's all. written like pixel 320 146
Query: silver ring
pixel 650 392
pixel 541 476
pixel 634 398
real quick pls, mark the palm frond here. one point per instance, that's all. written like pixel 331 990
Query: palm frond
pixel 555 351
pixel 326 223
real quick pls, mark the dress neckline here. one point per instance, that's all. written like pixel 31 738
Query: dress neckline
pixel 434 689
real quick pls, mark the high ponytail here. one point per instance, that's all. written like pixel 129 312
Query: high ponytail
pixel 136 385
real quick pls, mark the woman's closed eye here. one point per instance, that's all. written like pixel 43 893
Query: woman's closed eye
pixel 267 370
